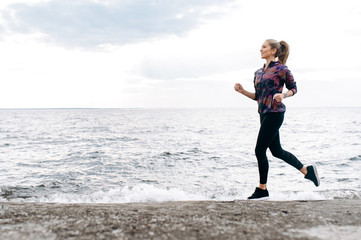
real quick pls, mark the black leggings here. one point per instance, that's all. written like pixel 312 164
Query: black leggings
pixel 268 137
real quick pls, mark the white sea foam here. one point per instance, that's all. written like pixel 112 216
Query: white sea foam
pixel 307 195
pixel 139 193
pixel 149 193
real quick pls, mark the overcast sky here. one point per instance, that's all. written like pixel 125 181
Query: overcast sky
pixel 173 53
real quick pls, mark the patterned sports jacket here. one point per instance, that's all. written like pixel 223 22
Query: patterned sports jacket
pixel 268 82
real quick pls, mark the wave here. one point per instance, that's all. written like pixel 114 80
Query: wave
pixel 356 158
pixel 151 193
pixel 139 193
pixel 192 151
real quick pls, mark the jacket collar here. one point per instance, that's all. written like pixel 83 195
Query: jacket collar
pixel 271 64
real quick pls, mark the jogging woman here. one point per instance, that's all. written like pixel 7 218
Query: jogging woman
pixel 268 82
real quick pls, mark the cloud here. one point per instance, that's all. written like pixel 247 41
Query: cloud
pixel 88 23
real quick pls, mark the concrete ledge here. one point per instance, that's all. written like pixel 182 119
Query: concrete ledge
pixel 330 219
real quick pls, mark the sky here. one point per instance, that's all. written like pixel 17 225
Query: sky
pixel 173 54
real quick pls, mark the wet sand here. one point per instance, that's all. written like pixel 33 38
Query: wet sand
pixel 240 219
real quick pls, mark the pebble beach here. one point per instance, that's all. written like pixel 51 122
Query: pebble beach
pixel 239 219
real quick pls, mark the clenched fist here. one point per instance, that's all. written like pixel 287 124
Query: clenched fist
pixel 238 87
pixel 278 97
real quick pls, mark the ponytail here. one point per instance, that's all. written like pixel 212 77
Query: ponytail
pixel 283 50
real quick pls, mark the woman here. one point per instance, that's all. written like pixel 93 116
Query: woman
pixel 268 83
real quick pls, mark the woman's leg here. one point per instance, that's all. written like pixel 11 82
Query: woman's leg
pixel 288 157
pixel 268 137
pixel 270 124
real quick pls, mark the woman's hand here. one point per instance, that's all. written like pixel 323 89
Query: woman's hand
pixel 278 97
pixel 238 87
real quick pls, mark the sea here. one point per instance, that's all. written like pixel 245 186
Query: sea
pixel 141 155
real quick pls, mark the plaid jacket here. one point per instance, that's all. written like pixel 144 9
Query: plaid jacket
pixel 269 82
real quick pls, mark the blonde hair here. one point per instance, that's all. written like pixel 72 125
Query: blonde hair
pixel 283 50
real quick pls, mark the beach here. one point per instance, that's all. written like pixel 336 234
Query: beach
pixel 239 219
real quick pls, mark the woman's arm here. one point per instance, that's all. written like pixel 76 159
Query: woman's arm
pixel 280 96
pixel 290 85
pixel 239 88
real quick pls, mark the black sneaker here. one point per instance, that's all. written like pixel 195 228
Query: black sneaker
pixel 259 194
pixel 312 175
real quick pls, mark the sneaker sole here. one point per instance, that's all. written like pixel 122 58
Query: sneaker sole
pixel 315 171
pixel 259 199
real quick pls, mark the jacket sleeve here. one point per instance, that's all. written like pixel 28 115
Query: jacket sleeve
pixel 289 80
pixel 255 89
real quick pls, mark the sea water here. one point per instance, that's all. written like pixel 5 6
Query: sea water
pixel 132 155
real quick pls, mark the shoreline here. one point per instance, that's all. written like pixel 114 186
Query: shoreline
pixel 239 219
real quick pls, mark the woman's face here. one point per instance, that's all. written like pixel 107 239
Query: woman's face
pixel 266 51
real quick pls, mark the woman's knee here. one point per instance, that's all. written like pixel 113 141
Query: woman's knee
pixel 278 153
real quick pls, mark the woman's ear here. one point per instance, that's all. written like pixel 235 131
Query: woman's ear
pixel 274 51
